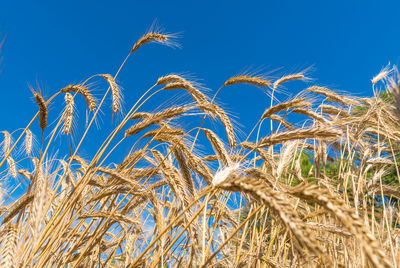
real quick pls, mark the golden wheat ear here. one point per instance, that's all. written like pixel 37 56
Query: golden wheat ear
pixel 156 35
pixel 42 108
pixel 284 106
pixel 6 142
pixel 247 79
pixel 385 72
pixel 169 79
pixel 290 77
pixel 84 91
pixel 9 247
pixel 116 93
pixel 68 114
pixel 28 141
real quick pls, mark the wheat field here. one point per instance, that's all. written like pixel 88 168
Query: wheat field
pixel 315 182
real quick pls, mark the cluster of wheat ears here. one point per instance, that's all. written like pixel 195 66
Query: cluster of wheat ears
pixel 246 202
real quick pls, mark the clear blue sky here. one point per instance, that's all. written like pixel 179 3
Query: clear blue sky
pixel 56 43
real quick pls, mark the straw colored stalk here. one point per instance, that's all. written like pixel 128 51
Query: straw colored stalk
pixel 115 93
pixel 84 91
pixel 247 79
pixel 295 103
pixel 310 133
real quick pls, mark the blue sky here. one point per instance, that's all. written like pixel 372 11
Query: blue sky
pixel 55 43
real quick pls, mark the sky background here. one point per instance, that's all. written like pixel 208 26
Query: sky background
pixel 56 43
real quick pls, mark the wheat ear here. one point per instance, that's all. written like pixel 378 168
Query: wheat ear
pixel 295 103
pixel 288 78
pixel 84 91
pixel 311 133
pixel 115 93
pixel 68 115
pixel 42 110
pixel 347 217
pixel 279 204
pixel 9 246
pixel 155 36
pixel 28 141
pixel 247 79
